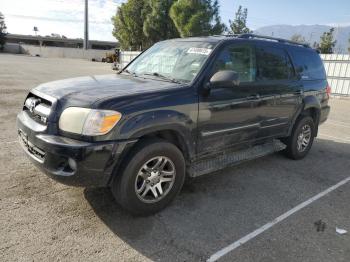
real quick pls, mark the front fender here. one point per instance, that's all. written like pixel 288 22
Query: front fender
pixel 161 120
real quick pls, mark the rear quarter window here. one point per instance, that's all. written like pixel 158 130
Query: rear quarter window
pixel 273 64
pixel 308 64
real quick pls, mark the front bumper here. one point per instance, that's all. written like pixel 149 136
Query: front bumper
pixel 70 161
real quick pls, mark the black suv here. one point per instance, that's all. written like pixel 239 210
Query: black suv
pixel 182 108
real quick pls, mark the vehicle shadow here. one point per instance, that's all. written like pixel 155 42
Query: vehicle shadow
pixel 215 210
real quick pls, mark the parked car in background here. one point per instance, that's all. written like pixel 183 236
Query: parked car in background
pixel 183 108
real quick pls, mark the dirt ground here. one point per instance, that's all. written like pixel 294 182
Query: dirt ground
pixel 42 220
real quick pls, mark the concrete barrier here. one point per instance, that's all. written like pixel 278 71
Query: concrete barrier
pixel 61 52
pixel 12 48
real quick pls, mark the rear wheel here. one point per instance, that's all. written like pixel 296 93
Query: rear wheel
pixel 150 178
pixel 300 141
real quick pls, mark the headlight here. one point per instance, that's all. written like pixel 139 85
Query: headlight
pixel 89 122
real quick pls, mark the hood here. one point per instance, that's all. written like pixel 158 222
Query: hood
pixel 89 89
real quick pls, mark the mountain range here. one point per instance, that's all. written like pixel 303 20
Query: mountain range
pixel 311 33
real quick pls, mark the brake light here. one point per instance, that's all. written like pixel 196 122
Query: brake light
pixel 328 90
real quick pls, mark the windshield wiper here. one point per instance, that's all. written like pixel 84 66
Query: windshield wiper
pixel 162 77
pixel 128 72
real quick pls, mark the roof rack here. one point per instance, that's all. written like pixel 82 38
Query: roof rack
pixel 280 40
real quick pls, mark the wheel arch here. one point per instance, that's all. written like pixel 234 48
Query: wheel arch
pixel 170 135
pixel 311 107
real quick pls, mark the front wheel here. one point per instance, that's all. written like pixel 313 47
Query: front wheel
pixel 151 177
pixel 300 141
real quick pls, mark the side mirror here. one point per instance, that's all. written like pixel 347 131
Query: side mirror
pixel 224 79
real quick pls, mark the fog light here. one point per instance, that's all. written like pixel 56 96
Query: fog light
pixel 72 164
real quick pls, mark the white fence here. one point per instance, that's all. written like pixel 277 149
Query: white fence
pixel 126 57
pixel 338 73
pixel 337 67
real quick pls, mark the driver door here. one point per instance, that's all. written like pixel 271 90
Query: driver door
pixel 229 116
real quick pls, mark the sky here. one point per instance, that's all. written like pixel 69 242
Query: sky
pixel 290 12
pixel 65 17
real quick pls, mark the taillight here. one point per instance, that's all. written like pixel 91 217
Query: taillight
pixel 328 90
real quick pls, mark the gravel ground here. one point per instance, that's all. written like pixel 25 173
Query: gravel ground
pixel 41 220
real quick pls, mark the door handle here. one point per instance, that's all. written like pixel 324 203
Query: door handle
pixel 253 97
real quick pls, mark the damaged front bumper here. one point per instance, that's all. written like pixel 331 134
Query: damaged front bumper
pixel 67 160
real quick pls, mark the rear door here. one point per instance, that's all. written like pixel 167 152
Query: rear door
pixel 279 89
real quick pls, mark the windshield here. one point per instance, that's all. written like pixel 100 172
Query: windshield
pixel 173 60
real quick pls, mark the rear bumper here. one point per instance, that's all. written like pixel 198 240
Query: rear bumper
pixel 70 161
pixel 324 113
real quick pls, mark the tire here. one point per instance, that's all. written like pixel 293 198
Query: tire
pixel 297 147
pixel 141 173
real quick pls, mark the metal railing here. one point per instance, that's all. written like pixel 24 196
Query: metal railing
pixel 126 57
pixel 338 73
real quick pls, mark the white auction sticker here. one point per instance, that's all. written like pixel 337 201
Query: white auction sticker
pixel 199 51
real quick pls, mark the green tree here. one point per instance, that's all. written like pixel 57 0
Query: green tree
pixel 327 42
pixel 239 24
pixel 128 24
pixel 158 24
pixel 3 32
pixel 298 38
pixel 197 17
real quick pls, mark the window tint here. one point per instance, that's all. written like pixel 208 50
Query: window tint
pixel 273 64
pixel 308 64
pixel 240 59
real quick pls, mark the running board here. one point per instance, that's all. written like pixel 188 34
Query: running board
pixel 228 159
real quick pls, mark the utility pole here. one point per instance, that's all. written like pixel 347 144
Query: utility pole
pixel 311 35
pixel 86 26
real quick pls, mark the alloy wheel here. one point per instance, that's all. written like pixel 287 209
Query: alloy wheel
pixel 155 179
pixel 304 138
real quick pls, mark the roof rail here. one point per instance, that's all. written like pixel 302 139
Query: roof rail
pixel 231 35
pixel 280 40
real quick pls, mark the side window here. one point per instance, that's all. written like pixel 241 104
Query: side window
pixel 308 64
pixel 273 64
pixel 240 59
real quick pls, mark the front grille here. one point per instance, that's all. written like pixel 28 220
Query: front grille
pixel 37 108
